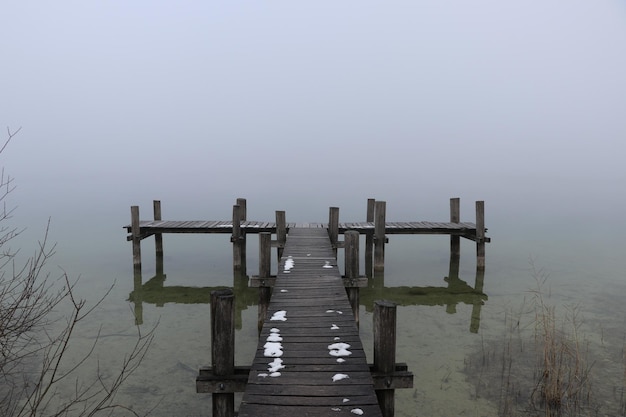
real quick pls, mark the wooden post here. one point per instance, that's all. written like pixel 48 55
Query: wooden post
pixel 158 237
pixel 455 217
pixel 281 232
pixel 136 235
pixel 235 238
pixel 385 351
pixel 223 347
pixel 243 214
pixel 265 264
pixel 369 240
pixel 379 235
pixel 333 227
pixel 480 234
pixel 265 254
pixel 351 258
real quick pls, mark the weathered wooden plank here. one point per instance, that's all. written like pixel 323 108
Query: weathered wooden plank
pixel 313 400
pixel 256 410
pixel 308 315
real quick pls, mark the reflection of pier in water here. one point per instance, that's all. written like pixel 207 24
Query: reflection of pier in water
pixel 455 291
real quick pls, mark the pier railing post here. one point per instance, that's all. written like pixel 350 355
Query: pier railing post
pixel 158 237
pixel 455 217
pixel 265 265
pixel 480 234
pixel 369 239
pixel 351 242
pixel 281 232
pixel 385 351
pixel 136 237
pixel 236 238
pixel 223 347
pixel 243 216
pixel 379 235
pixel 333 227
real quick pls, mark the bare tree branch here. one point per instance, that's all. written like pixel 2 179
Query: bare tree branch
pixel 34 362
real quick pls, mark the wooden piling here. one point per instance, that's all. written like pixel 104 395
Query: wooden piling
pixel 455 217
pixel 281 232
pixel 265 264
pixel 379 235
pixel 385 351
pixel 333 227
pixel 136 238
pixel 236 238
pixel 223 347
pixel 243 214
pixel 351 258
pixel 265 254
pixel 369 239
pixel 480 234
pixel 158 237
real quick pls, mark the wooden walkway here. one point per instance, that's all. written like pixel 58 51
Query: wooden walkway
pixel 151 227
pixel 309 360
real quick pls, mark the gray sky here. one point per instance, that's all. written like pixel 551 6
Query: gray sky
pixel 154 99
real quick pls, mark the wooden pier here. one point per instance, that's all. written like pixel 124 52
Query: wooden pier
pixel 309 360
pixel 375 228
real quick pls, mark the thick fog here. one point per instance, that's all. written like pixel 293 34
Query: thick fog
pixel 307 104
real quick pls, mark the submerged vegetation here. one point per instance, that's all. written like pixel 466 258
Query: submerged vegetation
pixel 546 365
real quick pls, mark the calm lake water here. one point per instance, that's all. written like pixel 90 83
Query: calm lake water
pixel 443 339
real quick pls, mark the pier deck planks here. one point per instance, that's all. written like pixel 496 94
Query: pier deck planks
pixel 150 227
pixel 318 314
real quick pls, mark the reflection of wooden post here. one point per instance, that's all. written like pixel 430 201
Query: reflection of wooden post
pixel 138 299
pixel 236 236
pixel 379 235
pixel 136 236
pixel 351 242
pixel 477 305
pixel 455 217
pixel 223 347
pixel 333 227
pixel 281 232
pixel 369 239
pixel 385 350
pixel 480 234
pixel 265 264
pixel 243 216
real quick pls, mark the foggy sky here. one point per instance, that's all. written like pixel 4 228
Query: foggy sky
pixel 157 99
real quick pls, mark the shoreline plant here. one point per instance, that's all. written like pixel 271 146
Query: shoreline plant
pixel 39 318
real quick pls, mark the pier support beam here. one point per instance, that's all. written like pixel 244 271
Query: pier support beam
pixel 236 238
pixel 158 237
pixel 455 217
pixel 136 238
pixel 379 235
pixel 385 351
pixel 369 239
pixel 243 211
pixel 333 227
pixel 223 347
pixel 351 258
pixel 480 234
pixel 281 232
pixel 265 265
